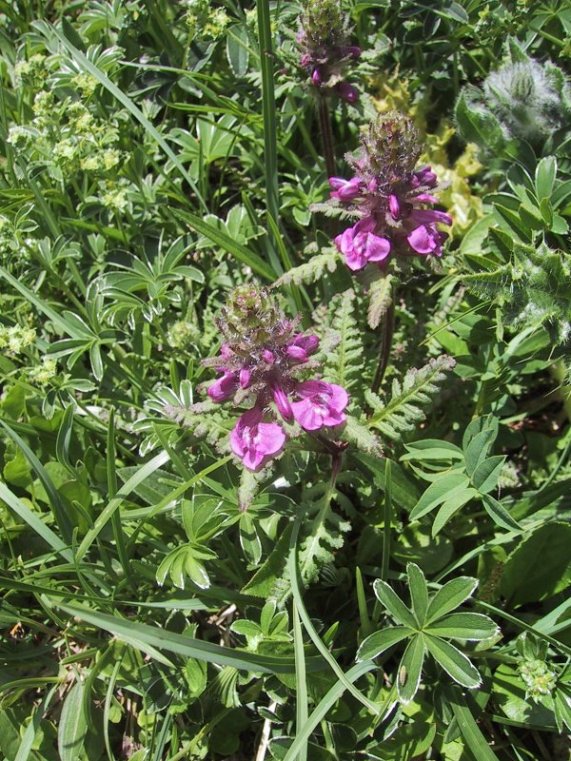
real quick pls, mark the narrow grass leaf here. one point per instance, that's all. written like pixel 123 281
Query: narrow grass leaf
pixel 476 742
pixel 300 679
pixel 35 523
pixel 141 635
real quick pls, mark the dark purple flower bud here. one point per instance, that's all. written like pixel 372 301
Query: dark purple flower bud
pixel 245 377
pixel 305 60
pixel 316 77
pixel 426 176
pixel 268 357
pixel 223 388
pixel 309 344
pixel 347 92
pixel 394 206
pixel 345 190
pixel 282 403
pixel 354 51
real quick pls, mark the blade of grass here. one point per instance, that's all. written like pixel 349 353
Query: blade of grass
pixel 471 732
pixel 58 509
pixel 225 242
pixel 129 486
pixel 112 491
pixel 31 730
pixel 270 127
pixel 319 644
pixel 35 523
pixel 141 636
pixel 324 706
pixel 300 679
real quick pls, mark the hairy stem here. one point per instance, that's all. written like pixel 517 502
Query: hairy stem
pixel 326 135
pixel 385 346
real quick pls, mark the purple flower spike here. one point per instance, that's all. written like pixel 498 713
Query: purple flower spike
pixel 321 404
pixel 223 388
pixel 254 441
pixel 392 201
pixel 282 403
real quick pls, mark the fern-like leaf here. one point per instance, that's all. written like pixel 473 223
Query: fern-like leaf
pixel 312 270
pixel 380 298
pixel 343 363
pixel 405 409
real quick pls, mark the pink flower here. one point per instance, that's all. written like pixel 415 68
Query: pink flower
pixel 426 239
pixel 321 404
pixel 254 441
pixel 360 245
pixel 223 388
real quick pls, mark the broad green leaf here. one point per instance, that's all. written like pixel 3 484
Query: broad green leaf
pixel 410 669
pixel 432 449
pixel 455 663
pixel 457 500
pixel 394 605
pixel 418 592
pixel 465 626
pixel 438 492
pixel 478 449
pixel 74 723
pixel 376 644
pixel 499 514
pixel 450 596
pixel 486 475
pixel 540 566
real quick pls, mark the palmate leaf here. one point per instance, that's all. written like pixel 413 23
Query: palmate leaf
pixel 450 596
pixel 405 409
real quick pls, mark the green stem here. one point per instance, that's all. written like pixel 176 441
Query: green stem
pixel 386 344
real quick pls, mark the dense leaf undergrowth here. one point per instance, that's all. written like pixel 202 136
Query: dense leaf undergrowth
pixel 353 543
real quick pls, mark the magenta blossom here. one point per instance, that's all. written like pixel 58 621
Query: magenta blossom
pixel 321 404
pixel 361 246
pixel 254 441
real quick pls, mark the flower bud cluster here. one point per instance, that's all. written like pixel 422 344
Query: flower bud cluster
pixel 261 361
pixel 325 50
pixel 391 199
